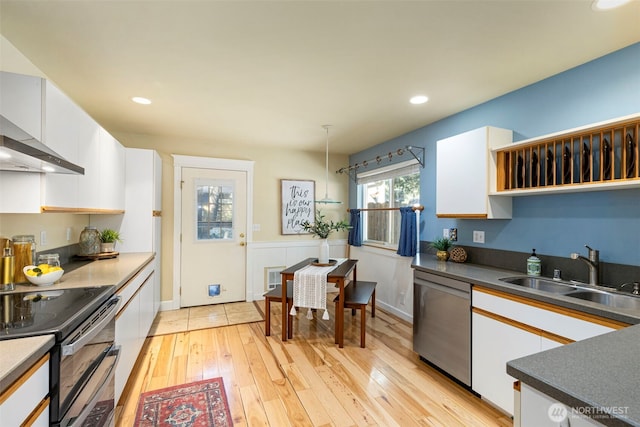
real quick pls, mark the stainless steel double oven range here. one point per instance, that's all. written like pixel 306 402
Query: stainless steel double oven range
pixel 84 356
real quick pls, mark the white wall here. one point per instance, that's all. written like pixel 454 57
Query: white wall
pixel 394 292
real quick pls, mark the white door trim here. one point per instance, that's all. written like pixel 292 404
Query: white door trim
pixel 180 162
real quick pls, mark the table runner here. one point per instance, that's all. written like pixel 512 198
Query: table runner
pixel 310 288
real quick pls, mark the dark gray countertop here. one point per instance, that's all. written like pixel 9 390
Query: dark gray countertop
pixel 599 372
pixel 490 277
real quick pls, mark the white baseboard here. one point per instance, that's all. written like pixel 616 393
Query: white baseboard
pixel 391 309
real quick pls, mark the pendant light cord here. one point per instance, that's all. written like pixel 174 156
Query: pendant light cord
pixel 326 164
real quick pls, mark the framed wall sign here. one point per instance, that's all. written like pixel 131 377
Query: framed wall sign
pixel 297 205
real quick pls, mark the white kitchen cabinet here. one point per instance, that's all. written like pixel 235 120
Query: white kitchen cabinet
pixel 61 190
pixel 140 226
pixel 494 343
pixel 133 320
pixel 465 175
pixel 42 110
pixel 535 411
pixel 21 102
pixel 111 186
pixel 507 327
pixel 147 313
pixel 28 403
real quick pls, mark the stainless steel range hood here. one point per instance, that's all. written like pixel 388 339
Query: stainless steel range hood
pixel 20 152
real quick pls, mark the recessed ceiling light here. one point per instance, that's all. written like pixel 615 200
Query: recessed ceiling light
pixel 141 100
pixel 4 155
pixel 48 169
pixel 607 4
pixel 418 99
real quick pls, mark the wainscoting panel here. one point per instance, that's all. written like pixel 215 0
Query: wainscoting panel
pixel 264 257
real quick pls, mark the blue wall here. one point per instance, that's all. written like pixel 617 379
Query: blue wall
pixel 557 224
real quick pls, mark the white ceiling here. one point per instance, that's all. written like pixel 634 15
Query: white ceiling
pixel 272 72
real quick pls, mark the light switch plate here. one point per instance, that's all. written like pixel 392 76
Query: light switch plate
pixel 445 233
pixel 478 236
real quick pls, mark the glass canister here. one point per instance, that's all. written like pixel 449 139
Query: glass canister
pixel 53 260
pixel 24 253
pixel 89 241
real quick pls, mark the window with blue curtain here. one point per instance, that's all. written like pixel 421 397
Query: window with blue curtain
pixel 391 186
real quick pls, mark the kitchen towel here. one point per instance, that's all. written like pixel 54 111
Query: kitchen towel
pixel 310 289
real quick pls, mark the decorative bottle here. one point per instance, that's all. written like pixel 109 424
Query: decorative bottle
pixel 7 265
pixel 89 241
pixel 534 265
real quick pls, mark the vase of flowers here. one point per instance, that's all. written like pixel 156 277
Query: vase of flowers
pixel 322 228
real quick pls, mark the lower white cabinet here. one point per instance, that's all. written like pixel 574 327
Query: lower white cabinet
pixel 505 327
pixel 539 410
pixel 133 321
pixel 28 402
pixel 494 343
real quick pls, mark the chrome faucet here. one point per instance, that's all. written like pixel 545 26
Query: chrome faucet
pixel 593 262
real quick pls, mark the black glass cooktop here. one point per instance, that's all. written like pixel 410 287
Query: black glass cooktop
pixel 41 312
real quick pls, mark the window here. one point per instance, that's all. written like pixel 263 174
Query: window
pixel 214 210
pixel 389 187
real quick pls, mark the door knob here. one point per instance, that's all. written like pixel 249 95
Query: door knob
pixel 242 243
pixel 241 234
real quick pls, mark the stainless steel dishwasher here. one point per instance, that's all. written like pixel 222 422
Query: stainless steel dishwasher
pixel 442 323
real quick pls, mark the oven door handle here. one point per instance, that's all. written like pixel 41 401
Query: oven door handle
pixel 80 419
pixel 77 342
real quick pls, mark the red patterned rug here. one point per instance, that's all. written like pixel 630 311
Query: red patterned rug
pixel 202 403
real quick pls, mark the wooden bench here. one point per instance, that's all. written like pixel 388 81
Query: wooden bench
pixel 356 297
pixel 275 295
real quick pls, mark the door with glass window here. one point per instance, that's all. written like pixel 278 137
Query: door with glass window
pixel 213 250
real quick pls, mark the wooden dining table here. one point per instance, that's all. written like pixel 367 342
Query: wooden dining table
pixel 339 276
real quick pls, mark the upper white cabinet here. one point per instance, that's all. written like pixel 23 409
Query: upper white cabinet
pixel 21 102
pixel 61 190
pixel 463 175
pixel 42 110
pixel 111 184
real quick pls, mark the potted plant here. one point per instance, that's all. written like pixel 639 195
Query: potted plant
pixel 442 246
pixel 109 237
pixel 322 228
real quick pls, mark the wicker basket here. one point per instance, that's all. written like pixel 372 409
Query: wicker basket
pixel 458 254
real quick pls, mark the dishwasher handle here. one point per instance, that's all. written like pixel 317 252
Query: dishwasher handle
pixel 446 289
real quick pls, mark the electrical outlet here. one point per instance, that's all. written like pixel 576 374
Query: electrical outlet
pixel 43 238
pixel 478 236
pixel 445 233
pixel 68 234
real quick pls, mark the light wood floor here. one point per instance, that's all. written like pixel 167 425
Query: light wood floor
pixel 308 381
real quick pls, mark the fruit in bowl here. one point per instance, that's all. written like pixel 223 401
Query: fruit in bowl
pixel 43 274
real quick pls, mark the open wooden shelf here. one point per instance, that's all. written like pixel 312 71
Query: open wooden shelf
pixel 595 157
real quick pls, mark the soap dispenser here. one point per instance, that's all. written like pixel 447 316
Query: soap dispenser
pixel 534 265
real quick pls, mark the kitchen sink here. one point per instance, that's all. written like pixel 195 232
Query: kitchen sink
pixel 585 293
pixel 608 299
pixel 540 284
